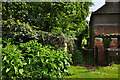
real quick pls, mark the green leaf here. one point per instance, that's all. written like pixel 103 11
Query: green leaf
pixel 12 62
pixel 3 76
pixel 11 73
pixel 55 66
pixel 24 63
pixel 4 58
pixel 8 69
pixel 21 71
pixel 16 69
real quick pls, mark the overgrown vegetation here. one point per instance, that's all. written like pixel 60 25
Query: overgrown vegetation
pixel 83 57
pixel 78 57
pixel 12 62
pixel 33 61
pixel 17 31
pixel 23 32
pixel 56 17
pixel 30 30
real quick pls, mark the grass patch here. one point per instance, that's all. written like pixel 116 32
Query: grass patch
pixel 99 72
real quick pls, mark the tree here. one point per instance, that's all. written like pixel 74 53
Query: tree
pixel 57 17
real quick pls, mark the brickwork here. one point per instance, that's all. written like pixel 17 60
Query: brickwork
pixel 107 30
pixel 114 43
pixel 101 52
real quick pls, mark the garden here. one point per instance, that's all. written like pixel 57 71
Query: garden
pixel 92 72
pixel 48 41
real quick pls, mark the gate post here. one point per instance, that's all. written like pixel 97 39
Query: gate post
pixel 96 57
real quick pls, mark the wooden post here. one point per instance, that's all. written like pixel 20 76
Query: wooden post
pixel 106 57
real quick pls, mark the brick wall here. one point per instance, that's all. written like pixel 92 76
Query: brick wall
pixel 101 52
pixel 114 43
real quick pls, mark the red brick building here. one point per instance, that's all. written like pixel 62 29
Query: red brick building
pixel 105 23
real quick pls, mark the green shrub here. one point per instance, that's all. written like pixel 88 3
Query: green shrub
pixel 44 62
pixel 12 62
pixel 78 57
pixel 19 32
pixel 83 57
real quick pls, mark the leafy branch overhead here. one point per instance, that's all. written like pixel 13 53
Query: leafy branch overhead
pixel 66 17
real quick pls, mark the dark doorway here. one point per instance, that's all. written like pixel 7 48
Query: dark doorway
pixel 118 42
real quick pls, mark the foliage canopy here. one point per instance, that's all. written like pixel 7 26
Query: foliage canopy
pixel 66 17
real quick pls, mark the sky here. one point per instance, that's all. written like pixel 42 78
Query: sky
pixel 98 4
